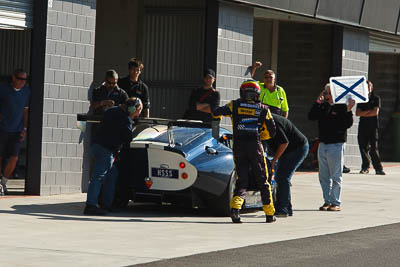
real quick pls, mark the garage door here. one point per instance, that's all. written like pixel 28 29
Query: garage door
pixel 173 50
pixel 16 14
pixel 384 43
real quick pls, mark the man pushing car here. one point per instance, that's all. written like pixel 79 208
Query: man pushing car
pixel 252 121
pixel 115 129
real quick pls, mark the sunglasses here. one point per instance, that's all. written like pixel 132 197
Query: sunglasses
pixel 111 83
pixel 21 79
pixel 269 77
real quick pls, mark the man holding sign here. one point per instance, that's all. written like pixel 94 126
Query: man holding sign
pixel 333 122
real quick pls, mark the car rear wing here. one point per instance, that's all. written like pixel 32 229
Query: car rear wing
pixel 214 125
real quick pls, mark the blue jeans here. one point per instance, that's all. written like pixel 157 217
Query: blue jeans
pixel 285 168
pixel 331 160
pixel 104 174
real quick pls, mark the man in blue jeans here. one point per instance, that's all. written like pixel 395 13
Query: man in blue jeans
pixel 333 122
pixel 290 146
pixel 115 129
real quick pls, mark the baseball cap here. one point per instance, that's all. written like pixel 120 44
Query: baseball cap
pixel 209 72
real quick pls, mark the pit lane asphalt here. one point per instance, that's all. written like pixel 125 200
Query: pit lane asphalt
pixel 51 230
pixel 376 246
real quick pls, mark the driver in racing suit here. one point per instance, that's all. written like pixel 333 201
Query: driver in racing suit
pixel 251 122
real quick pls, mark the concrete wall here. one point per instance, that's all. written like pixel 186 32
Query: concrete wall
pixel 355 57
pixel 68 74
pixel 235 40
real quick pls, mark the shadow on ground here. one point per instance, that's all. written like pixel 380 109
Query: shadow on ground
pixel 143 212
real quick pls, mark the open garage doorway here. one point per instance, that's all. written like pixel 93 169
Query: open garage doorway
pixel 384 73
pixel 15 53
pixel 167 35
pixel 299 51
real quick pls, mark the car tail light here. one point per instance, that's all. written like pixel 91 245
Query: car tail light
pixel 182 165
pixel 184 175
pixel 148 182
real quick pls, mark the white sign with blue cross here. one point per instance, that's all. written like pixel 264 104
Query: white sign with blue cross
pixel 344 87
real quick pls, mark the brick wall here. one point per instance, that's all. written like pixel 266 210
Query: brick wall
pixel 355 57
pixel 235 46
pixel 68 74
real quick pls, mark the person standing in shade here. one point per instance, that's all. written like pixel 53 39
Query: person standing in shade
pixel 290 146
pixel 14 109
pixel 251 121
pixel 272 94
pixel 368 132
pixel 135 87
pixel 333 122
pixel 108 94
pixel 115 130
pixel 204 99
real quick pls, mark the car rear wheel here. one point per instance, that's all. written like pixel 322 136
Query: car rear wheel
pixel 219 206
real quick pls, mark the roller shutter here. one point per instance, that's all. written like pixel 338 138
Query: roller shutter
pixel 16 14
pixel 384 43
pixel 173 38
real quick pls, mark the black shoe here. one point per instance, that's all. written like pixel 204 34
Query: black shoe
pixel 270 219
pixel 235 216
pixel 364 171
pixel 380 172
pixel 324 207
pixel 5 190
pixel 345 169
pixel 93 210
pixel 281 214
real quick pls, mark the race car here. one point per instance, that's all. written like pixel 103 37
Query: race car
pixel 179 162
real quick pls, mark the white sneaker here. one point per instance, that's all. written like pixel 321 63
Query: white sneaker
pixel 1 190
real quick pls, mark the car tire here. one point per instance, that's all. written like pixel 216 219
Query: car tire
pixel 219 206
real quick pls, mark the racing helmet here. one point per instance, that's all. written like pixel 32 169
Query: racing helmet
pixel 250 91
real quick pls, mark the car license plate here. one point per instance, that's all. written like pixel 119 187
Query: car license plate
pixel 164 173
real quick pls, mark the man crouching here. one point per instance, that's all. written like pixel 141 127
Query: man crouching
pixel 251 122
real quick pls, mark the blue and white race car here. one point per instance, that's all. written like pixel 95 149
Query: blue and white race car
pixel 181 162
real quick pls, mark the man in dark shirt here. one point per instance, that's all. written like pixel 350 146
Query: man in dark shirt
pixel 134 87
pixel 368 132
pixel 204 99
pixel 115 130
pixel 14 109
pixel 290 146
pixel 108 94
pixel 333 122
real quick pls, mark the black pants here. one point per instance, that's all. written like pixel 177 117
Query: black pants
pixel 368 143
pixel 251 154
